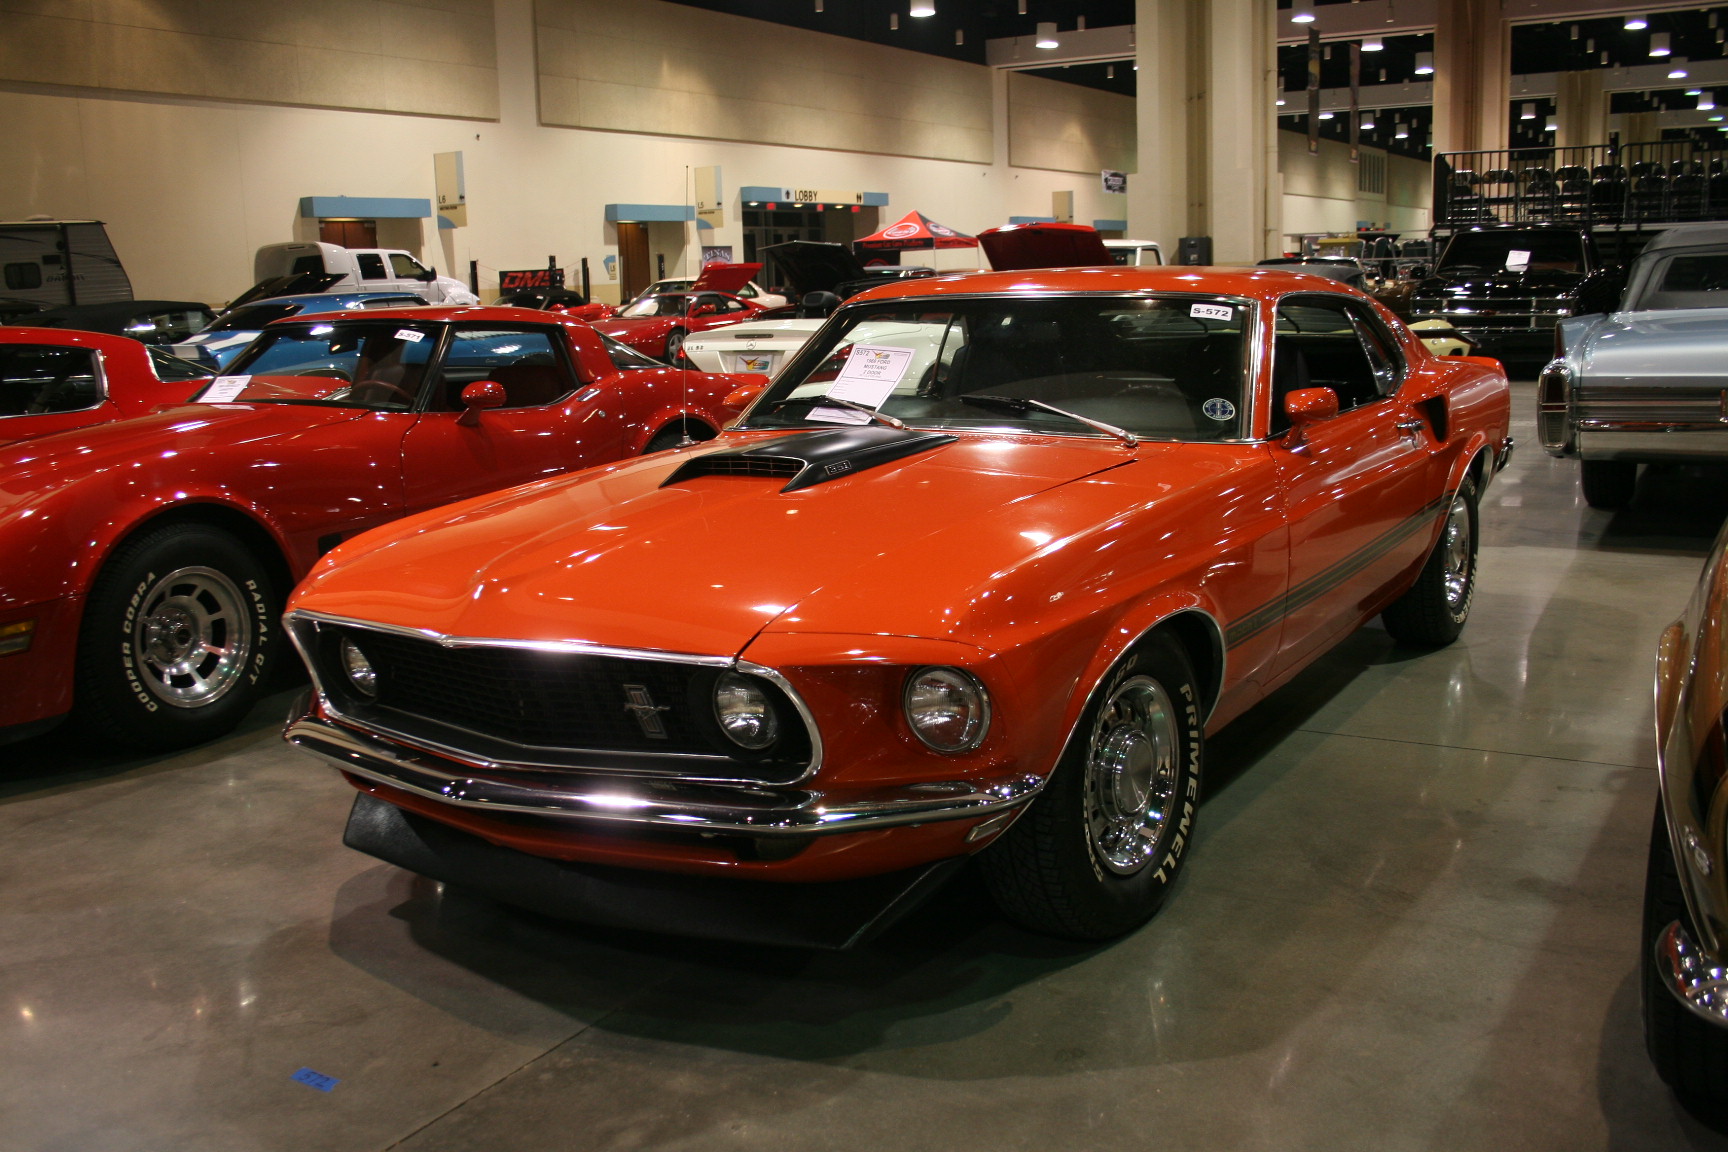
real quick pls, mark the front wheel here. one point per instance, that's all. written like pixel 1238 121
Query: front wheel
pixel 178 639
pixel 1433 611
pixel 1096 854
pixel 1608 483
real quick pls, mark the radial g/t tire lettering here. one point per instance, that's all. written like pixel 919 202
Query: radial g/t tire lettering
pixel 179 638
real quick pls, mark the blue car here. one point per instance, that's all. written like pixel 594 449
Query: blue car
pixel 221 340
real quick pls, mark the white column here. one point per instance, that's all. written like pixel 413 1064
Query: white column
pixel 1158 193
pixel 1242 205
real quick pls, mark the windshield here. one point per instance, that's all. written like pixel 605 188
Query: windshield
pixel 252 317
pixel 1161 367
pixel 1514 252
pixel 377 364
pixel 656 306
pixel 1696 278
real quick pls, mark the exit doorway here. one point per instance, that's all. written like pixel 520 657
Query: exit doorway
pixel 349 233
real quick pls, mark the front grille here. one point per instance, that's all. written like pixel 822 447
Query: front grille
pixel 553 709
pixel 1510 313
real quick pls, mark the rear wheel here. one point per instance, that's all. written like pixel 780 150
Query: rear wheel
pixel 675 347
pixel 1608 483
pixel 1690 1053
pixel 1435 608
pixel 1097 852
pixel 178 639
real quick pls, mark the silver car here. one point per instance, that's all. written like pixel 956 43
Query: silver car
pixel 1645 383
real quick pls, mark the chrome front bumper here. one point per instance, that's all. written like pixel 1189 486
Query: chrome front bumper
pixel 1689 975
pixel 614 802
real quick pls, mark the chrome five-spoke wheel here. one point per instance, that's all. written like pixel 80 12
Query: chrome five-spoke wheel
pixel 1457 552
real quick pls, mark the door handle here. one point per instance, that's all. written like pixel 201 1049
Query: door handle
pixel 1410 426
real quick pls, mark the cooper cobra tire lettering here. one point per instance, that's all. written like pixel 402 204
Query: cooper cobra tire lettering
pixel 126 652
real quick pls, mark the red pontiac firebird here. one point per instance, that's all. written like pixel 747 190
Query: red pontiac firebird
pixel 143 562
pixel 657 324
pixel 976 575
pixel 57 379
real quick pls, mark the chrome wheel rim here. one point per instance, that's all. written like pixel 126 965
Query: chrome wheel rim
pixel 675 346
pixel 1131 769
pixel 191 637
pixel 1456 553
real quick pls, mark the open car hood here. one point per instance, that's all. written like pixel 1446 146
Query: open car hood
pixel 294 284
pixel 727 278
pixel 816 266
pixel 1013 247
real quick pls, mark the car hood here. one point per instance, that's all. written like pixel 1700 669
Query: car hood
pixel 1655 346
pixel 618 556
pixel 814 265
pixel 1051 245
pixel 727 278
pixel 43 462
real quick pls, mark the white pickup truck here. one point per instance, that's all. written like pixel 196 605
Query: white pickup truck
pixel 361 270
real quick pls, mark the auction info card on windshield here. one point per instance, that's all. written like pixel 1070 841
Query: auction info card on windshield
pixel 870 374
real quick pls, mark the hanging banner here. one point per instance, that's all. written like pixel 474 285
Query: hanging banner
pixel 709 209
pixel 1313 89
pixel 1355 102
pixel 452 188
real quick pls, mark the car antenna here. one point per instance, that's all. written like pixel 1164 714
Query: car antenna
pixel 683 358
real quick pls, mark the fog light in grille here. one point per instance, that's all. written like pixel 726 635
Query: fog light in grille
pixel 745 713
pixel 361 674
pixel 16 637
pixel 947 708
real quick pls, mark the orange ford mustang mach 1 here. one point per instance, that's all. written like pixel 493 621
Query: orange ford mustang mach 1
pixel 977 581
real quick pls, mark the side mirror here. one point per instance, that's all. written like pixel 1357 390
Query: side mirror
pixel 750 386
pixel 1308 406
pixel 479 395
pixel 1600 291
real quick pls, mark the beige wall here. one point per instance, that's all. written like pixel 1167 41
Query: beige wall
pixel 1320 193
pixel 430 57
pixel 190 187
pixel 1068 128
pixel 645 66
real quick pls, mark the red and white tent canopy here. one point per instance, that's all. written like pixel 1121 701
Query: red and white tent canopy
pixel 917 230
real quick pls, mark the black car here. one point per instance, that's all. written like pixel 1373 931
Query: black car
pixel 542 298
pixel 151 321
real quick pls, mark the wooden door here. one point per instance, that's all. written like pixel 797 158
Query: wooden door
pixel 634 273
pixel 349 233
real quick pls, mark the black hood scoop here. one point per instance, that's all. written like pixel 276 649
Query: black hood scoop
pixel 812 457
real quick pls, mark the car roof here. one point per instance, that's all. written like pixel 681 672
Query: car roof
pixel 1261 283
pixel 1688 235
pixel 446 313
pixel 119 309
pixel 337 298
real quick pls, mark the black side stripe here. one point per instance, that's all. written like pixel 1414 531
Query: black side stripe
pixel 1253 623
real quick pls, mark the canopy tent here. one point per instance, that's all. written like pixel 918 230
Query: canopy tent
pixel 916 230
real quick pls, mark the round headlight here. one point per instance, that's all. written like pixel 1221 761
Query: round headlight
pixel 361 674
pixel 947 708
pixel 745 712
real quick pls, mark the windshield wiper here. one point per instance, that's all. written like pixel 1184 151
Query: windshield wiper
pixel 816 401
pixel 1020 405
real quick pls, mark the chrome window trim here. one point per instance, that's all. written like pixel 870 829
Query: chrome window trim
pixel 468 757
pixel 99 370
pixel 1252 332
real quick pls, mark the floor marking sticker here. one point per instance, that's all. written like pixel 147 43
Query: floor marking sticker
pixel 315 1079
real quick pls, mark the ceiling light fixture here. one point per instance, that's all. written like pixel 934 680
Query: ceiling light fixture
pixel 1424 63
pixel 1303 13
pixel 1552 126
pixel 1326 115
pixel 1400 132
pixel 1707 102
pixel 893 21
pixel 959 36
pixel 1634 22
pixel 1574 31
pixel 1678 69
pixel 1079 23
pixel 1527 112
pixel 1047 35
pixel 1713 119
pixel 1022 7
pixel 1659 44
pixel 1373 44
pixel 922 8
pixel 1367 122
pixel 1109 71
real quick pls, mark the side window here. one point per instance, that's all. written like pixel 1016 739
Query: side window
pixel 38 378
pixel 23 276
pixel 405 267
pixel 526 362
pixel 304 264
pixel 732 306
pixel 1384 358
pixel 371 266
pixel 167 327
pixel 1317 344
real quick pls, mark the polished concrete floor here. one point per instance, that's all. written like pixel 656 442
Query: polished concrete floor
pixel 1411 923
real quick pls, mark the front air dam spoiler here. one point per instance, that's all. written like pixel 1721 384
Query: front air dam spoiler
pixel 835 915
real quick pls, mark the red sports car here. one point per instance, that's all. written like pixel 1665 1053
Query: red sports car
pixel 56 379
pixel 658 324
pixel 977 574
pixel 145 560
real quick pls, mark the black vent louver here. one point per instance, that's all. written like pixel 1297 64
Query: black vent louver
pixel 812 457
